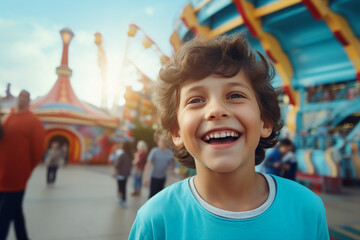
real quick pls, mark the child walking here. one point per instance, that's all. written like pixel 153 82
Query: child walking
pixel 139 165
pixel 122 171
pixel 217 106
pixel 52 160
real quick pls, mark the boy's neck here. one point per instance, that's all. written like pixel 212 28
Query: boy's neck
pixel 237 192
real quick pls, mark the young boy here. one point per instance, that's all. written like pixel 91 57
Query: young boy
pixel 217 105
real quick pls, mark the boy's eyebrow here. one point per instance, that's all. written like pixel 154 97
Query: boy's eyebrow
pixel 230 84
pixel 240 84
pixel 194 89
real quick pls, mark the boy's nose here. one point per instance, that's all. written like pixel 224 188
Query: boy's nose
pixel 217 112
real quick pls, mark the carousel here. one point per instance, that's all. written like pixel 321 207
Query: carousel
pixel 82 129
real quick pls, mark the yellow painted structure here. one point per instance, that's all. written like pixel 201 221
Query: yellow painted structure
pixel 189 18
pixel 342 31
pixel 309 165
pixel 331 163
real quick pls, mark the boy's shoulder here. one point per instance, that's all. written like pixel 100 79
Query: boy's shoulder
pixel 293 192
pixel 172 197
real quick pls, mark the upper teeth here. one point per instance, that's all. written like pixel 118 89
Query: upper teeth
pixel 221 134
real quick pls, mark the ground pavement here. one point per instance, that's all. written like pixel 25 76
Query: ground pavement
pixel 83 205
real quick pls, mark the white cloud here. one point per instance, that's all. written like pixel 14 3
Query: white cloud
pixel 150 11
pixel 85 38
pixel 43 37
pixel 6 23
pixel 28 56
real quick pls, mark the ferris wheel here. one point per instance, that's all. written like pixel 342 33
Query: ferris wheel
pixel 142 60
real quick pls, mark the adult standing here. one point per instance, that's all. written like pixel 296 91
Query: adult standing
pixel 21 149
pixel 1 127
pixel 1 130
pixel 160 159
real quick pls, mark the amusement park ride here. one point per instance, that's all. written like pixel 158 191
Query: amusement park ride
pixel 313 44
pixel 82 127
pixel 102 62
pixel 315 47
pixel 86 130
pixel 138 108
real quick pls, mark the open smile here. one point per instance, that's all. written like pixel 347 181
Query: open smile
pixel 221 136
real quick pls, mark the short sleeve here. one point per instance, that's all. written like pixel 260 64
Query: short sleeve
pixel 150 157
pixel 171 154
pixel 323 231
pixel 140 230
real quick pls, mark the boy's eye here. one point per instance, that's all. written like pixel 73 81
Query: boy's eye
pixel 235 95
pixel 195 100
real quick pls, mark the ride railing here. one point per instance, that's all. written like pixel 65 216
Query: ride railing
pixel 319 160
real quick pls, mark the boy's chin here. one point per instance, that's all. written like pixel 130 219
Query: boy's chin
pixel 221 167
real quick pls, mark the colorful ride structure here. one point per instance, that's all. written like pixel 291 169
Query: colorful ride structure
pixel 138 108
pixel 78 126
pixel 315 48
pixel 102 62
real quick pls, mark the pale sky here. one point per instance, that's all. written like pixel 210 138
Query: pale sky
pixel 31 47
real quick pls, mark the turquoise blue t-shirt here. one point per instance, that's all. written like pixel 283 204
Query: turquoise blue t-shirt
pixel 291 212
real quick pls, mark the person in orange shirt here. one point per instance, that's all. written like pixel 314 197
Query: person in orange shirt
pixel 1 130
pixel 21 149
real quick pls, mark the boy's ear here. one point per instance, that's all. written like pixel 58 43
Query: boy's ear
pixel 176 138
pixel 266 129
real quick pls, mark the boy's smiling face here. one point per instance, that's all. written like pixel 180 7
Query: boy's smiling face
pixel 219 122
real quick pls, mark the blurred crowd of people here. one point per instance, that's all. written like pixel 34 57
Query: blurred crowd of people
pixel 21 129
pixel 333 91
pixel 149 169
pixel 281 161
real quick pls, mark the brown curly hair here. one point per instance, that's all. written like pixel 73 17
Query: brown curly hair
pixel 223 56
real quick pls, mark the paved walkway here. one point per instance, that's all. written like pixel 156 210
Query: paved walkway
pixel 83 205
